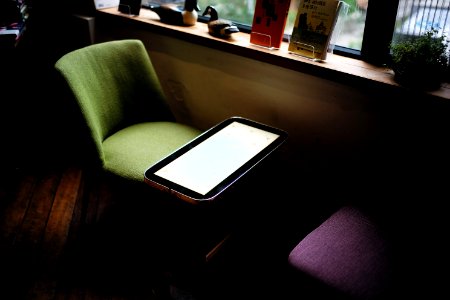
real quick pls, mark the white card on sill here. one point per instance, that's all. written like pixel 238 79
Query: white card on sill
pixel 99 4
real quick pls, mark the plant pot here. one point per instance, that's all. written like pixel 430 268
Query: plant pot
pixel 419 78
pixel 421 62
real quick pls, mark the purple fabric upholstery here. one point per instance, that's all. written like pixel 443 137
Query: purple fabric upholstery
pixel 346 252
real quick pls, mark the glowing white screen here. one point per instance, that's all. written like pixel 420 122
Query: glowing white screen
pixel 209 163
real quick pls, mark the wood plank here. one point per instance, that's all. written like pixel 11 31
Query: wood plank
pixel 18 201
pixel 35 220
pixel 96 190
pixel 42 289
pixel 75 226
pixel 60 219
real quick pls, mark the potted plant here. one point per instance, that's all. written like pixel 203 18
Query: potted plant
pixel 421 62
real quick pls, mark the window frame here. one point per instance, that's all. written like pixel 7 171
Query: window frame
pixel 378 35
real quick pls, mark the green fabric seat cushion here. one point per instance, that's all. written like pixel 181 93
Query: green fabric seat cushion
pixel 132 150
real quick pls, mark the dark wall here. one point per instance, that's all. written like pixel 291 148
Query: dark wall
pixel 38 123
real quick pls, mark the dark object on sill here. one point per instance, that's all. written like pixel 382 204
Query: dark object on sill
pixel 421 62
pixel 130 7
pixel 219 27
pixel 175 14
pixel 423 79
pixel 9 12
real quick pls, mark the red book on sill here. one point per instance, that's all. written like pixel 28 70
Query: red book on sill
pixel 269 21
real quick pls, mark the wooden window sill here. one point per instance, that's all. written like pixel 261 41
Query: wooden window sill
pixel 335 67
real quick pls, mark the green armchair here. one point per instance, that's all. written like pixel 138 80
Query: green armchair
pixel 123 104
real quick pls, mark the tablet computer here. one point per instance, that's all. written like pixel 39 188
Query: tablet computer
pixel 210 163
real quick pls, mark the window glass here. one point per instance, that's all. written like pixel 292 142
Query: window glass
pixel 241 11
pixel 352 24
pixel 416 17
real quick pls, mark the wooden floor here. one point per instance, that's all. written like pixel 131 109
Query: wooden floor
pixel 68 232
pixel 44 214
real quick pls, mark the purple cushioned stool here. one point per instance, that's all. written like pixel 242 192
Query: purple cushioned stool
pixel 347 254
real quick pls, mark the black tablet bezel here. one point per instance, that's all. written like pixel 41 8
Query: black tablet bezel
pixel 191 196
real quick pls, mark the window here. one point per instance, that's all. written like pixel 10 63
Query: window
pixel 366 31
pixel 416 17
pixel 241 11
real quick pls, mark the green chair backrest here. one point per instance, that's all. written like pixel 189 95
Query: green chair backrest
pixel 115 85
